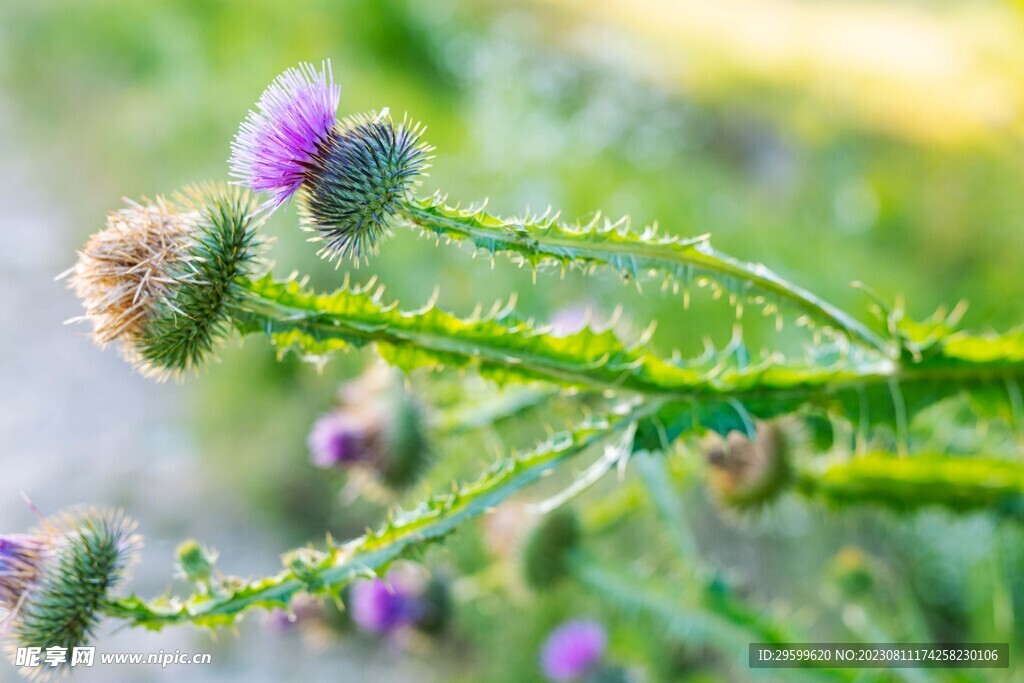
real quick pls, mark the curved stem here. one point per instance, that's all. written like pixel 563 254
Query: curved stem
pixel 614 245
pixel 508 349
pixel 326 572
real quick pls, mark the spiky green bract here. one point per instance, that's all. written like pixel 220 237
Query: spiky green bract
pixel 92 550
pixel 406 532
pixel 547 241
pixel 546 551
pixel 183 329
pixel 904 483
pixel 357 178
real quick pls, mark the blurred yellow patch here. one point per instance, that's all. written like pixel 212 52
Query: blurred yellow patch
pixel 949 75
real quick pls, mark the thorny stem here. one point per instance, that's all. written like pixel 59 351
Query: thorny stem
pixel 354 317
pixel 374 551
pixel 542 239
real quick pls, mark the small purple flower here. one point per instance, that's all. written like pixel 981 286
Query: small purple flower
pixel 376 430
pixel 573 650
pixel 382 607
pixel 276 143
pixel 339 439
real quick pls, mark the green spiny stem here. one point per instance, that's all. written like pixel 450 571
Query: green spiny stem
pixel 405 532
pixel 962 484
pixel 701 606
pixel 508 349
pixel 546 240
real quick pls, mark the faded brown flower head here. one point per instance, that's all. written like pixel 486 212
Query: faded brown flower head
pixel 124 271
pixel 744 472
pixel 160 278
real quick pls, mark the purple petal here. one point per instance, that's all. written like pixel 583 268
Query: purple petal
pixel 572 650
pixel 339 439
pixel 381 606
pixel 275 145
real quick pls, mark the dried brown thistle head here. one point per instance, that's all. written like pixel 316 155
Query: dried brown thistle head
pixel 745 472
pixel 158 279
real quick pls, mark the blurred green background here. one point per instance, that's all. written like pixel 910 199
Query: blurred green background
pixel 834 142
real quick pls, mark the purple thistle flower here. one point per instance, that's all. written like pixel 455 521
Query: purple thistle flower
pixel 573 650
pixel 276 143
pixel 340 439
pixel 377 429
pixel 382 607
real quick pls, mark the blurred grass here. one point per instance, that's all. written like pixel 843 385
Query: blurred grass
pixel 834 142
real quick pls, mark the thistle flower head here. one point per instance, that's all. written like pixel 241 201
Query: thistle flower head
pixel 573 650
pixel 378 426
pixel 304 608
pixel 545 556
pixel 350 174
pixel 54 581
pixel 383 606
pixel 158 279
pixel 745 472
pixel 404 599
pixel 342 438
pixel 276 145
pixel 364 169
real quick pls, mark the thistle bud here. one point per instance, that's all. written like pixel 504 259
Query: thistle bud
pixel 745 473
pixel 55 581
pixel 158 279
pixel 196 565
pixel 350 174
pixel 545 556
